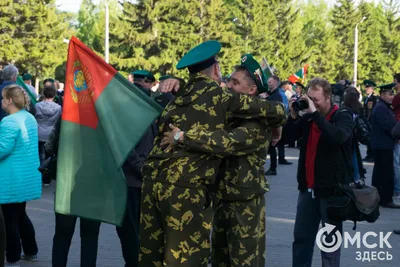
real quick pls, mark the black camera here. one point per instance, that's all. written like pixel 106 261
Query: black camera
pixel 300 104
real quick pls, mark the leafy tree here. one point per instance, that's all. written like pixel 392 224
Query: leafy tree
pixel 32 35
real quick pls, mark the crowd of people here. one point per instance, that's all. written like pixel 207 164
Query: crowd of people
pixel 196 180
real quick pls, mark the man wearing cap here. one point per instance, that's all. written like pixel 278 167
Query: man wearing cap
pixel 383 121
pixel 287 86
pixel 241 183
pixel 369 104
pixel 176 216
pixel 28 81
pixel 144 80
pixel 162 98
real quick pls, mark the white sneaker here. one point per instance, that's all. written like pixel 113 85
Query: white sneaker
pixel 32 258
pixel 12 264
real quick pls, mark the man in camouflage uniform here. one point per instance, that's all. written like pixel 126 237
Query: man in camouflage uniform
pixel 239 222
pixel 176 212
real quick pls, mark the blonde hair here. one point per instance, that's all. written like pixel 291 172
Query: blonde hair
pixel 18 95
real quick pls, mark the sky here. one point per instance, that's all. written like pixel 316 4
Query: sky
pixel 73 5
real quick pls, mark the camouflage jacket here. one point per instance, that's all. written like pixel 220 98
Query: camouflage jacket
pixel 202 106
pixel 241 175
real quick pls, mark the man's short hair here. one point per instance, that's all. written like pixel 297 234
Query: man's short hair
pixel 49 91
pixel 247 73
pixel 9 72
pixel 397 77
pixel 286 83
pixel 324 84
pixel 276 78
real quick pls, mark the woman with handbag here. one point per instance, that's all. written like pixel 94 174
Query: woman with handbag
pixel 47 113
pixel 19 178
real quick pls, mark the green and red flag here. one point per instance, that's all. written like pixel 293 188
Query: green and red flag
pixel 103 118
pixel 21 83
pixel 299 76
pixel 266 68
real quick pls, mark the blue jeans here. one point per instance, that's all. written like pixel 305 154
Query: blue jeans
pixel 310 212
pixel 396 165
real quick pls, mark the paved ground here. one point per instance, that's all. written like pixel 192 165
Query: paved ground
pixel 281 208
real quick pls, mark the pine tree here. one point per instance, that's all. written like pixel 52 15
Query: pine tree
pixel 319 40
pixel 373 64
pixel 255 26
pixel 218 23
pixel 289 48
pixel 344 20
pixel 391 43
pixel 154 34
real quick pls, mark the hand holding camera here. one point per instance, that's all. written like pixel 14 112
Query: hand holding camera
pixel 303 103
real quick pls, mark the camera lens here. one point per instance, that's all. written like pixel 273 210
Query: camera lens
pixel 300 105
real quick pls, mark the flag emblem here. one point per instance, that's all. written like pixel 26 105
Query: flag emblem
pixel 257 74
pixel 80 84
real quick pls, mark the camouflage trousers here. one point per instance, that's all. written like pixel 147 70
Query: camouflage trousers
pixel 238 237
pixel 175 226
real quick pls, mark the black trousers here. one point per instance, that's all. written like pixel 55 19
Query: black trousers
pixel 370 153
pixel 128 233
pixel 273 155
pixel 19 230
pixel 65 227
pixel 383 174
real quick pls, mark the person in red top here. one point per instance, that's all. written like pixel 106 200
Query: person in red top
pixel 324 162
pixel 396 151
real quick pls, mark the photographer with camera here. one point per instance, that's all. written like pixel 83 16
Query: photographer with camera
pixel 324 163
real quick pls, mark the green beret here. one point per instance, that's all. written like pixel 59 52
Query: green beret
pixel 48 80
pixel 26 77
pixel 386 87
pixel 300 85
pixel 256 72
pixel 144 74
pixel 162 78
pixel 369 83
pixel 200 57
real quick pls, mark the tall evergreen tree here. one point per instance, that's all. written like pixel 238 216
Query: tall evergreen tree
pixel 289 49
pixel 156 34
pixel 344 19
pixel 391 44
pixel 319 40
pixel 218 23
pixel 255 25
pixel 372 62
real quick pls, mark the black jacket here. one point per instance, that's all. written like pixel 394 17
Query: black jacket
pixel 132 167
pixel 333 163
pixel 369 104
pixel 383 122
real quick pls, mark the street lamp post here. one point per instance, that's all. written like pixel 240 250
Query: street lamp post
pixel 356 51
pixel 107 34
